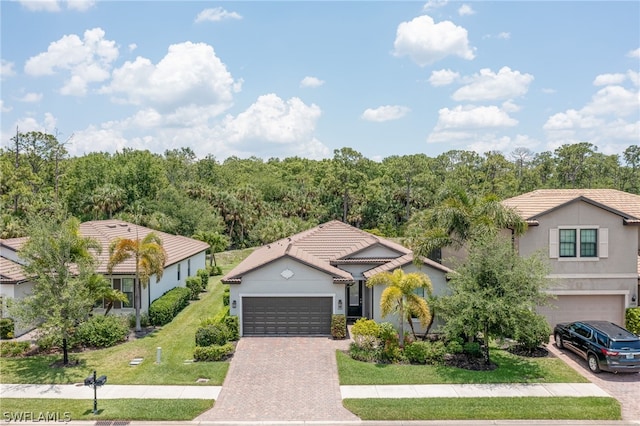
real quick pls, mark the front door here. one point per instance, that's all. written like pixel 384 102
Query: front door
pixel 354 300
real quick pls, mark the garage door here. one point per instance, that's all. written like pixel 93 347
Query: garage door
pixel 607 307
pixel 286 316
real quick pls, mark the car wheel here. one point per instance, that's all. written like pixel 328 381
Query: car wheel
pixel 559 342
pixel 592 361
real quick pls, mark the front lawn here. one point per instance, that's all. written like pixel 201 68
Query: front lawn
pixel 511 369
pixel 177 340
pixel 518 408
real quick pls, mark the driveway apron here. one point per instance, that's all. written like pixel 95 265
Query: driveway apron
pixel 282 379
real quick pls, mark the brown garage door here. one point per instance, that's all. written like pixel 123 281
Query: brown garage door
pixel 286 316
pixel 607 307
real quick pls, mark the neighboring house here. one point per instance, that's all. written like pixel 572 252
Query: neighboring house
pixel 294 285
pixel 184 257
pixel 591 238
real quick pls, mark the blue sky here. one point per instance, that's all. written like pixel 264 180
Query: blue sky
pixel 300 78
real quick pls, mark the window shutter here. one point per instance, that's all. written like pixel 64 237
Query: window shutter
pixel 603 242
pixel 553 243
pixel 116 286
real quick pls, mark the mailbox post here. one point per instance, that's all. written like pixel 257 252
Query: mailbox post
pixel 95 382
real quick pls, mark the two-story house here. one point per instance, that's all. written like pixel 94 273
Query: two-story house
pixel 592 239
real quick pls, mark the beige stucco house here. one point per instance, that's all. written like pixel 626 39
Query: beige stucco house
pixel 293 286
pixel 184 257
pixel 592 240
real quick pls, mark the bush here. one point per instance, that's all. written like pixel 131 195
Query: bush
pixel 166 307
pixel 213 353
pixel 102 331
pixel 338 326
pixel 217 319
pixel 426 352
pixel 13 349
pixel 226 296
pixel 473 349
pixel 365 327
pixel 213 334
pixel 6 328
pixel 532 330
pixel 203 274
pixel 194 284
pixel 632 320
pixel 144 320
pixel 215 270
pixel 233 325
pixel 362 354
pixel 454 347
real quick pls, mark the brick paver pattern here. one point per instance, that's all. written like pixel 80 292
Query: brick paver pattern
pixel 282 379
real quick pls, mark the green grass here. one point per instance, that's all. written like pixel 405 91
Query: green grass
pixel 511 369
pixel 108 409
pixel 518 408
pixel 177 340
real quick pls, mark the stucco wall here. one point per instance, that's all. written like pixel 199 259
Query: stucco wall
pixel 17 292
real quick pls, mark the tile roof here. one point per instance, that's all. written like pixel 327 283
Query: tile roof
pixel 537 203
pixel 10 272
pixel 177 247
pixel 321 247
pixel 401 261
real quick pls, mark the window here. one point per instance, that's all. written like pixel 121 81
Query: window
pixel 188 267
pixel 127 289
pixel 588 243
pixel 567 242
pixel 178 272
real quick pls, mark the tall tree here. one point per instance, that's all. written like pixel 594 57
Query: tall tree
pixel 60 262
pixel 217 243
pixel 492 289
pixel 399 297
pixel 149 256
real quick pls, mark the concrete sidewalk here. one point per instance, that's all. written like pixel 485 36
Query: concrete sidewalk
pixel 78 391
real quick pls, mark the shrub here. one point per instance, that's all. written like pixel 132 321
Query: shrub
pixel 473 349
pixel 226 296
pixel 194 284
pixel 365 327
pixel 338 326
pixel 416 352
pixel 215 270
pixel 454 347
pixel 213 334
pixel 167 306
pixel 102 331
pixel 632 320
pixel 6 328
pixel 361 354
pixel 391 351
pixel 144 320
pixel 532 330
pixel 213 353
pixel 233 325
pixel 13 349
pixel 217 319
pixel 203 274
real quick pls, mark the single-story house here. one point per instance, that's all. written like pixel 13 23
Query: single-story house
pixel 592 240
pixel 184 257
pixel 293 286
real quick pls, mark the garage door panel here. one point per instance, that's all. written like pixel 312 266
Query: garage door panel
pixel 286 315
pixel 567 308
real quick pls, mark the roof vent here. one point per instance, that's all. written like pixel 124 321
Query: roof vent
pixel 124 224
pixel 111 226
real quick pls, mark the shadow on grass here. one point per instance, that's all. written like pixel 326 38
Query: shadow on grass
pixel 47 369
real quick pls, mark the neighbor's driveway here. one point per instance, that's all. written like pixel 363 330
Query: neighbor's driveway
pixel 280 379
pixel 623 387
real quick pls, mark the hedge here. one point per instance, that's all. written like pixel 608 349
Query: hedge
pixel 194 284
pixel 213 353
pixel 166 307
pixel 632 320
pixel 13 348
pixel 103 331
pixel 213 334
pixel 338 326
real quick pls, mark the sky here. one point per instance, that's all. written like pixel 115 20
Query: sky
pixel 277 79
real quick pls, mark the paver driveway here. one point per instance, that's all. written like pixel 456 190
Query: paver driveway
pixel 625 387
pixel 280 379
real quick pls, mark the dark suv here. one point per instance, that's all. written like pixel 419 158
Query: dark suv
pixel 605 345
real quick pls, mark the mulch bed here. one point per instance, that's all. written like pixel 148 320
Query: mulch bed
pixel 468 362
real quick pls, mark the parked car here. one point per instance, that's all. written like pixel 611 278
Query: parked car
pixel 606 346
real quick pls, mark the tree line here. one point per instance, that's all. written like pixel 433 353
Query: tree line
pixel 254 201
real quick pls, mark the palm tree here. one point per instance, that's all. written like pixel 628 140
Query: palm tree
pixel 149 256
pixel 400 297
pixel 217 243
pixel 100 288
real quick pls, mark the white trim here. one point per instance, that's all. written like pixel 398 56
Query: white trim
pixel 243 295
pixel 602 243
pixel 592 276
pixel 625 293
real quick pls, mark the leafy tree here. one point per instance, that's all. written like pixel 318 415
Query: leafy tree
pixel 58 260
pixel 399 297
pixel 217 243
pixel 491 289
pixel 149 256
pixel 101 290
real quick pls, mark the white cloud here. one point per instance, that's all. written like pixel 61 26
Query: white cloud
pixel 190 73
pixel 434 4
pixel 549 91
pixel 510 106
pixel 216 14
pixel 311 82
pixel 4 108
pixel 443 77
pixel 634 77
pixel 132 47
pixel 6 69
pixel 466 10
pixel 31 97
pixel 88 60
pixel 426 42
pixel 607 79
pixel 504 35
pixel 56 5
pixel 80 5
pixel 385 113
pixel 31 124
pixel 473 117
pixel 615 100
pixel 488 85
pixel 634 53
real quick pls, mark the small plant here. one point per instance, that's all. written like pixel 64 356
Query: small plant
pixel 213 353
pixel 365 327
pixel 632 320
pixel 532 330
pixel 13 349
pixel 214 334
pixel 454 347
pixel 6 328
pixel 361 354
pixel 226 295
pixel 233 325
pixel 473 349
pixel 102 331
pixel 338 326
pixel 144 320
pixel 194 284
pixel 203 274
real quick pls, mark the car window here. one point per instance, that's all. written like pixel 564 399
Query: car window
pixel 601 339
pixel 625 344
pixel 583 331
